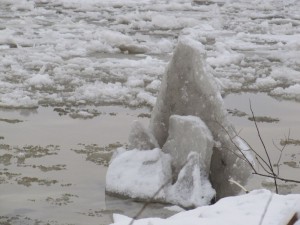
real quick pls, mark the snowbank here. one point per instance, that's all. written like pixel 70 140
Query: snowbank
pixel 245 209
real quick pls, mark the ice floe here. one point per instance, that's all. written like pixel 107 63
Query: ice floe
pixel 80 42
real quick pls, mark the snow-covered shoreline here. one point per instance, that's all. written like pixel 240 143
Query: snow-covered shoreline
pixel 246 209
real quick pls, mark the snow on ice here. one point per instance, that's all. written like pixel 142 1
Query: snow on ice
pixel 124 46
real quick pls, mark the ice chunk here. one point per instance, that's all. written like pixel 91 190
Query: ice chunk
pixel 18 99
pixel 40 81
pixel 139 174
pixel 188 88
pixel 188 134
pixel 191 188
pixel 141 138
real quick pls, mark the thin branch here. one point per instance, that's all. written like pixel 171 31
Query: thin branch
pixel 244 158
pixel 278 178
pixel 262 166
pixel 149 201
pixel 281 150
pixel 232 141
pixel 259 135
pixel 258 155
pixel 264 146
pixel 239 185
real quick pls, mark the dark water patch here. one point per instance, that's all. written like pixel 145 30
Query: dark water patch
pixel 100 213
pixel 264 119
pixel 11 120
pixel 236 112
pixel 97 154
pixel 290 142
pixel 5 159
pixel 292 164
pixel 50 168
pixel 77 113
pixel 144 115
pixel 27 181
pixel 65 199
pixel 6 176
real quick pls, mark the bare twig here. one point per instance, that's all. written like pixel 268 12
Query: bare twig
pixel 277 177
pixel 281 150
pixel 239 185
pixel 257 155
pixel 149 201
pixel 265 148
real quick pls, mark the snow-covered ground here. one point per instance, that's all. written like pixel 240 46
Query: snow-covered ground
pixel 247 209
pixel 70 52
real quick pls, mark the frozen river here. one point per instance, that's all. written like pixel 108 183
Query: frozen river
pixel 74 74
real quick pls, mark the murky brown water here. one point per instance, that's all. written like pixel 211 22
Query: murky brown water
pixel 287 113
pixel 64 181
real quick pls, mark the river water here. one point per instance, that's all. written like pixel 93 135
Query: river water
pixel 63 182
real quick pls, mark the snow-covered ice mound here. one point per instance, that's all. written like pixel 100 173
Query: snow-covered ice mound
pixel 145 175
pixel 139 174
pixel 190 125
pixel 245 209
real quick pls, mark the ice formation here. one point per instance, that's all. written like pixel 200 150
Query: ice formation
pixel 189 124
pixel 188 89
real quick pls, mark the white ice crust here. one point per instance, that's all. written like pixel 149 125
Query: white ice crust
pixel 120 44
pixel 139 174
